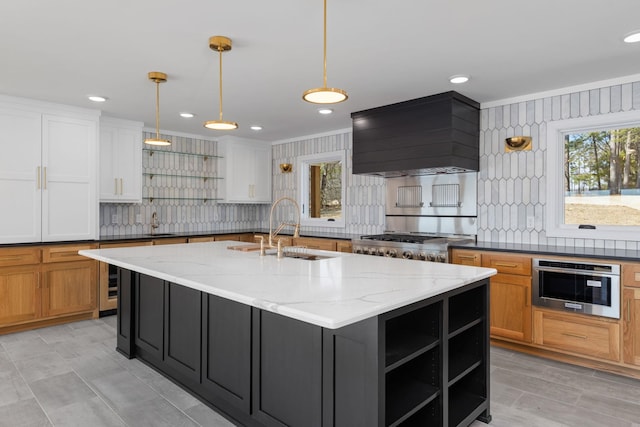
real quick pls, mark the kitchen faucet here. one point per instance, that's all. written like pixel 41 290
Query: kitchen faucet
pixel 155 222
pixel 273 234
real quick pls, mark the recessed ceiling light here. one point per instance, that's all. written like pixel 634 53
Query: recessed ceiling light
pixel 633 37
pixel 256 127
pixel 459 78
pixel 187 115
pixel 97 98
pixel 325 111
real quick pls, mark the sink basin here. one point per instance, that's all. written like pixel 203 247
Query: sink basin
pixel 160 234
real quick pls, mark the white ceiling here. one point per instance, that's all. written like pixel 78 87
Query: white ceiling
pixel 380 52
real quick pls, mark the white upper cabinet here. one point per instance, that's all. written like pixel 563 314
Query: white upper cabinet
pixel 48 172
pixel 120 161
pixel 246 169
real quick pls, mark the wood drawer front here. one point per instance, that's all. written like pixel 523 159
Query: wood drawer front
pixel 65 253
pixel 576 334
pixel 464 257
pixel 125 244
pixel 200 239
pixel 315 243
pixel 170 241
pixel 631 275
pixel 10 257
pixel 511 264
pixel 344 246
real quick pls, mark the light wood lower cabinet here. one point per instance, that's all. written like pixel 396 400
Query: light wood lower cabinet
pixel 69 288
pixel 466 257
pixel 590 336
pixel 631 325
pixel 45 285
pixel 344 246
pixel 315 243
pixel 511 307
pixel 19 294
pixel 201 239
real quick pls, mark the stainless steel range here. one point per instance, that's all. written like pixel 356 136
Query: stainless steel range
pixel 420 247
pixel 423 216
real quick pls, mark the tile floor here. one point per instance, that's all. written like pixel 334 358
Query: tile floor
pixel 70 375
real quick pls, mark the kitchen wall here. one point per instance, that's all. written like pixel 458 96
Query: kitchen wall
pixel 179 214
pixel 365 195
pixel 512 185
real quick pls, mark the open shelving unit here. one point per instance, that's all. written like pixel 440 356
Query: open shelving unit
pixel 436 362
pixel 180 176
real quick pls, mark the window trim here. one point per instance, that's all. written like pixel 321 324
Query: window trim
pixel 303 181
pixel 554 221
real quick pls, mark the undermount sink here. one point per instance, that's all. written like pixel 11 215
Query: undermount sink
pixel 160 234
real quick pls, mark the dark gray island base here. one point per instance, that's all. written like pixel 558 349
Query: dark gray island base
pixel 426 364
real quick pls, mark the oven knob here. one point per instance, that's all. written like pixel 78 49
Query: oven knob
pixel 407 255
pixel 391 253
pixel 441 258
pixel 431 257
pixel 422 256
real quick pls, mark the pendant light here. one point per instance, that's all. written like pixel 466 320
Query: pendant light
pixel 324 94
pixel 220 44
pixel 157 77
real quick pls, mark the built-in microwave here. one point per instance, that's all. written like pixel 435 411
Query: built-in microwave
pixel 583 287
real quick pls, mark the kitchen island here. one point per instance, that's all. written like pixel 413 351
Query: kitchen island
pixel 343 340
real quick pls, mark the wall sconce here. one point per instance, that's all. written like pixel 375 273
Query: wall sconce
pixel 286 167
pixel 517 143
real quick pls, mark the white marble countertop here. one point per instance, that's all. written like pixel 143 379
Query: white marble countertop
pixel 331 293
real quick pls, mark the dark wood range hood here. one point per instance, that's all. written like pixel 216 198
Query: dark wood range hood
pixel 434 134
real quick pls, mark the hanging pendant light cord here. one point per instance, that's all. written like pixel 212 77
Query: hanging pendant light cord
pixel 220 54
pixel 325 44
pixel 157 109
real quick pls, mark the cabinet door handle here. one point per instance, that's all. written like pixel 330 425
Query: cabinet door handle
pixel 571 334
pixel 38 176
pixel 467 256
pixel 44 179
pixel 506 264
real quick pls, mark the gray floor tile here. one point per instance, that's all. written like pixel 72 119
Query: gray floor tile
pixel 13 388
pixel 62 390
pixel 207 417
pixel 91 412
pixel 53 334
pixel 173 393
pixel 41 366
pixel 536 385
pixel 123 390
pixel 156 413
pixel 613 407
pixel 28 346
pixel 24 413
pixel 567 414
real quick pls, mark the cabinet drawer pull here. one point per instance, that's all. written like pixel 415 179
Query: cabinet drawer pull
pixel 467 256
pixel 506 264
pixel 571 334
pixel 10 258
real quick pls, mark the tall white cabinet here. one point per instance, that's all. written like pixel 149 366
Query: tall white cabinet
pixel 48 172
pixel 246 168
pixel 120 160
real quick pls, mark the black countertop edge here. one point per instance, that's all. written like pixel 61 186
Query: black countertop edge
pixel 139 237
pixel 552 250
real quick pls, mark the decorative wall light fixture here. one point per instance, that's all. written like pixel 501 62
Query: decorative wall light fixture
pixel 324 94
pixel 157 77
pixel 220 44
pixel 286 167
pixel 517 143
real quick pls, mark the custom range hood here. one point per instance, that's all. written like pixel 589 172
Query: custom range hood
pixel 424 136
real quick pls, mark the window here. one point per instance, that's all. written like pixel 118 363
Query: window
pixel 593 180
pixel 322 189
